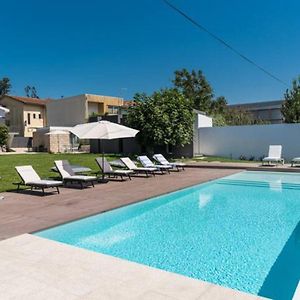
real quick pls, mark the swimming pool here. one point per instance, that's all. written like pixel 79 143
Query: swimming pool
pixel 241 231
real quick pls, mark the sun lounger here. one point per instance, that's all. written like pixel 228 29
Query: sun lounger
pixel 295 162
pixel 147 163
pixel 163 161
pixel 132 166
pixel 30 178
pixel 68 175
pixel 274 156
pixel 108 170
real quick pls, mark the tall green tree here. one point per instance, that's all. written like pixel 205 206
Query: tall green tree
pixel 5 86
pixel 3 135
pixel 30 91
pixel 194 86
pixel 164 118
pixel 291 106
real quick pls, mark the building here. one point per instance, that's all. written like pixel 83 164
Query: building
pixel 25 114
pixel 77 109
pixel 269 111
pixel 53 139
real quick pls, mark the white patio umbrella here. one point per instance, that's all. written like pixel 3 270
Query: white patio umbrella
pixel 103 130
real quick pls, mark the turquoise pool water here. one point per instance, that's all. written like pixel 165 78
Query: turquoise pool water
pixel 241 231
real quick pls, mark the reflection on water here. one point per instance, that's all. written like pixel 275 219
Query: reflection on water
pixel 276 185
pixel 204 199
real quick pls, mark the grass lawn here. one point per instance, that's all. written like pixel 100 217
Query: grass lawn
pixel 42 163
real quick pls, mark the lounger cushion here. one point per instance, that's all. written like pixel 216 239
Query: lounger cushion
pixel 272 159
pixel 163 166
pixel 45 183
pixel 162 160
pixel 296 159
pixel 132 166
pixel 145 169
pixel 122 172
pixel 80 178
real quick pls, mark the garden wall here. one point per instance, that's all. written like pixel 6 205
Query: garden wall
pixel 254 140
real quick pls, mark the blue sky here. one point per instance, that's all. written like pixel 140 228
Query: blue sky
pixel 122 47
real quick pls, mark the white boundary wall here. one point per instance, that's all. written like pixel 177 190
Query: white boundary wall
pixel 254 140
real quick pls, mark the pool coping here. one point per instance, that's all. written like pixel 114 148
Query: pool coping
pixel 47 269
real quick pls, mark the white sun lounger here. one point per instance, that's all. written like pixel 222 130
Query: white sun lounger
pixel 162 160
pixel 132 166
pixel 274 156
pixel 146 162
pixel 295 162
pixel 108 170
pixel 68 175
pixel 29 177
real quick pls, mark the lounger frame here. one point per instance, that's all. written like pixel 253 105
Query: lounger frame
pixel 37 186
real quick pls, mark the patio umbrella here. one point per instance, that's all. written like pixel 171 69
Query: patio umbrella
pixel 103 130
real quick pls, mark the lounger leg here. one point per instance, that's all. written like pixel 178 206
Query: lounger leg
pixel 81 184
pixel 129 176
pixel 57 190
pixel 43 190
pixel 93 183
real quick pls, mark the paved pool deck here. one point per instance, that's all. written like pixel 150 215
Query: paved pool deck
pixel 35 268
pixel 26 212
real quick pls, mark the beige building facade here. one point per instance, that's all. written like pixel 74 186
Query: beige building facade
pixel 75 110
pixel 25 115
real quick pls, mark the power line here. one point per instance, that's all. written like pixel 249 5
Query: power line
pixel 201 27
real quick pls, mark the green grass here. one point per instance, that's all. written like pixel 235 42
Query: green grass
pixel 42 163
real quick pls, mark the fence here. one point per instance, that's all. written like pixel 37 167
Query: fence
pixel 249 141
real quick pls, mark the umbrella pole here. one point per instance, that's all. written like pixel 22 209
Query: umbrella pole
pixel 103 180
pixel 102 162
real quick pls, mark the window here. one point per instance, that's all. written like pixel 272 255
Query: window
pixel 34 116
pixel 40 116
pixel 113 110
pixel 28 119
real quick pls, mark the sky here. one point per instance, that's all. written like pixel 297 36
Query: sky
pixel 119 48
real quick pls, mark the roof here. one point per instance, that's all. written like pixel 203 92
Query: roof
pixel 27 100
pixel 259 105
pixel 128 103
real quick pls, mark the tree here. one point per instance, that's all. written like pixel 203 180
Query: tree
pixel 291 106
pixel 194 86
pixel 31 92
pixel 3 135
pixel 165 118
pixel 5 86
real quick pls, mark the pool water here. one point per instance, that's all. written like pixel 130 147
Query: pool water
pixel 241 231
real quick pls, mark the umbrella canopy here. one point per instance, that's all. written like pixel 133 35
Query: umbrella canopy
pixel 103 130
